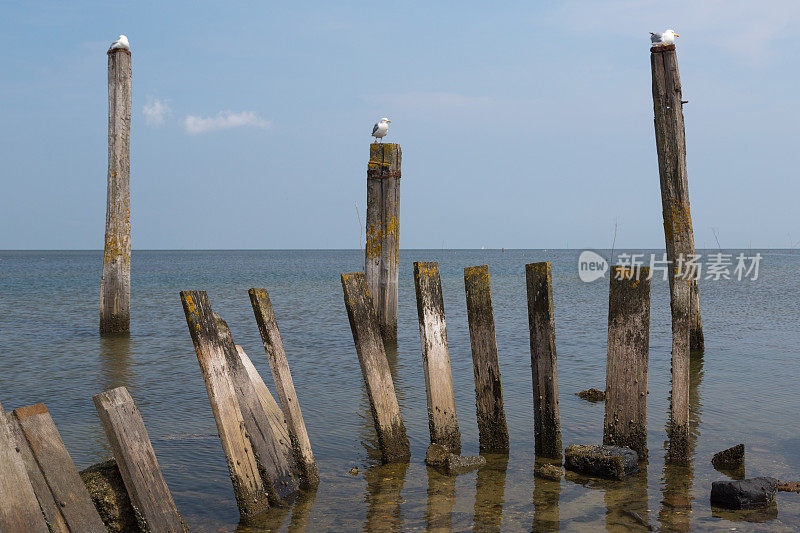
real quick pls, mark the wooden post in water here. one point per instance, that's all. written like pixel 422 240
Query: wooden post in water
pixel 678 449
pixel 273 345
pixel 389 425
pixel 64 486
pixel 671 147
pixel 115 286
pixel 248 486
pixel 137 461
pixel 383 233
pixel 19 510
pixel 627 359
pixel 492 429
pixel 442 419
pixel 541 322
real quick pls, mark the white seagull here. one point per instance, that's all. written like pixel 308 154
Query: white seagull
pixel 120 44
pixel 668 37
pixel 380 129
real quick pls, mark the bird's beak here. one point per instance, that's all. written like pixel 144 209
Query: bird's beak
pixel 676 35
pixel 388 121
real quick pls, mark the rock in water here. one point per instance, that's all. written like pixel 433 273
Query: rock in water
pixel 592 395
pixel 610 462
pixel 744 494
pixel 436 455
pixel 789 486
pixel 548 471
pixel 108 493
pixel 439 457
pixel 730 459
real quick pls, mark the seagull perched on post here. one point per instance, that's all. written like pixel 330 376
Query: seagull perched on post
pixel 380 129
pixel 668 37
pixel 120 44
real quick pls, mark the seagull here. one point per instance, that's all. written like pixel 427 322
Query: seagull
pixel 120 44
pixel 380 129
pixel 668 37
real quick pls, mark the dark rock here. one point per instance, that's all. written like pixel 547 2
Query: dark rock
pixel 548 471
pixel 754 493
pixel 609 462
pixel 108 493
pixel 730 459
pixel 450 464
pixel 592 395
pixel 353 471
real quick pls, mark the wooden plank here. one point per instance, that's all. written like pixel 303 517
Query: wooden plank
pixel 19 508
pixel 58 469
pixel 442 420
pixel 281 375
pixel 671 147
pixel 137 461
pixel 248 487
pixel 275 471
pixel 389 426
pixel 383 233
pixel 50 508
pixel 115 286
pixel 678 451
pixel 627 359
pixel 541 322
pixel 492 429
pixel 270 406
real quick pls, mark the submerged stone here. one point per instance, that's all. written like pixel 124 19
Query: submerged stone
pixel 730 459
pixel 439 457
pixel 752 493
pixel 548 471
pixel 592 395
pixel 609 462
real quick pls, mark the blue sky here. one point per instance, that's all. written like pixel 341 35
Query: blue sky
pixel 522 124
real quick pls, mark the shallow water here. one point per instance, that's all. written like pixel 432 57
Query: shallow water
pixel 744 389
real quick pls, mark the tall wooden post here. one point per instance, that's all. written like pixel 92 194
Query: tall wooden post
pixel 678 449
pixel 389 425
pixel 115 287
pixel 671 147
pixel 541 322
pixel 383 233
pixel 492 429
pixel 442 420
pixel 628 355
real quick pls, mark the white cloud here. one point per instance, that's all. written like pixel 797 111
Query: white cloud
pixel 156 111
pixel 224 120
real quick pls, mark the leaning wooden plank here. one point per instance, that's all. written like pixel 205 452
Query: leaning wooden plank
pixel 50 508
pixel 275 471
pixel 58 469
pixel 251 496
pixel 270 406
pixel 273 345
pixel 442 420
pixel 389 425
pixel 137 461
pixel 19 509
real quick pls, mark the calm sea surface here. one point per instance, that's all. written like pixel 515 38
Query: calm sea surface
pixel 744 389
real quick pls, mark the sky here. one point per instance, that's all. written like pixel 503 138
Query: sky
pixel 522 124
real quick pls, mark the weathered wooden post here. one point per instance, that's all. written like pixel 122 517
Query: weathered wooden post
pixel 19 510
pixel 137 461
pixel 492 429
pixel 243 467
pixel 273 345
pixel 115 286
pixel 389 424
pixel 678 449
pixel 442 419
pixel 627 359
pixel 671 147
pixel 383 233
pixel 541 322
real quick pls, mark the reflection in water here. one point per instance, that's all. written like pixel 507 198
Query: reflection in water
pixel 384 485
pixel 116 370
pixel 302 510
pixel 489 492
pixel 441 496
pixel 274 517
pixel 676 484
pixel 545 504
pixel 626 503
